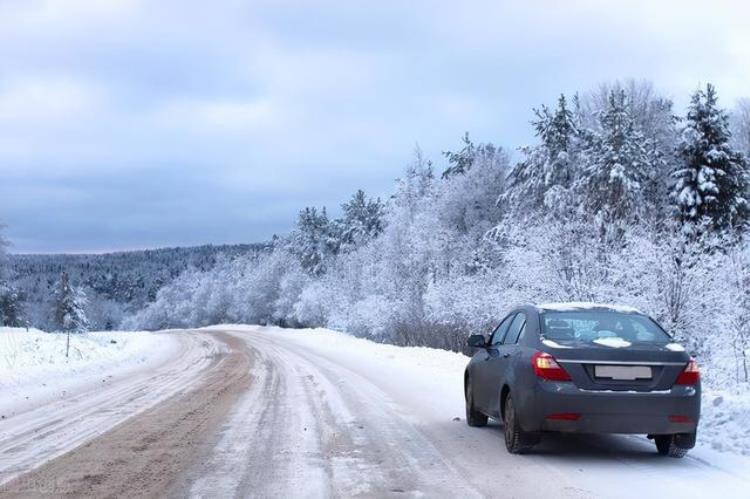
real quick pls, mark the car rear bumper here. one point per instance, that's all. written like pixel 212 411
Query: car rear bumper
pixel 561 406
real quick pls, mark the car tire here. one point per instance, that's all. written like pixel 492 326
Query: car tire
pixel 473 416
pixel 669 445
pixel 517 441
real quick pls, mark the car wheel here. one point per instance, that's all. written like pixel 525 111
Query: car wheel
pixel 668 445
pixel 517 441
pixel 473 416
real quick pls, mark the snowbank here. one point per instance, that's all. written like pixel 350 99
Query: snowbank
pixel 34 369
pixel 725 421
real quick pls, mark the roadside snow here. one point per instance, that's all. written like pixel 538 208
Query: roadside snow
pixel 725 421
pixel 34 369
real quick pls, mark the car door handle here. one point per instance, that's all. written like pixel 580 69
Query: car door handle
pixel 506 355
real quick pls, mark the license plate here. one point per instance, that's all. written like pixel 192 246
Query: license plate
pixel 630 373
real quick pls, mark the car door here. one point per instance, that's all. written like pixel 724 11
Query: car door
pixel 512 351
pixel 487 365
pixel 499 363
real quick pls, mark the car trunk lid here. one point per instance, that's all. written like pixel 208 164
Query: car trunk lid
pixel 636 367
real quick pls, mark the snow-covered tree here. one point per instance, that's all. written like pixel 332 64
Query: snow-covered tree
pixel 711 182
pixel 654 119
pixel 10 296
pixel 736 303
pixel 740 121
pixel 460 162
pixel 362 220
pixel 467 203
pixel 69 310
pixel 617 163
pixel 314 240
pixel 415 186
pixel 542 180
pixel 104 314
pixel 11 313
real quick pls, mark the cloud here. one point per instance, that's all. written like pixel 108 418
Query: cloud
pixel 130 113
pixel 32 101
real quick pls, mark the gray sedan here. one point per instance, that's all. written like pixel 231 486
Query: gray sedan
pixel 580 367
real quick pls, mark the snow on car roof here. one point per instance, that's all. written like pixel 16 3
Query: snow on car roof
pixel 581 305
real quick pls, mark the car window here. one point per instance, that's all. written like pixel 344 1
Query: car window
pixel 523 330
pixel 603 327
pixel 499 333
pixel 515 329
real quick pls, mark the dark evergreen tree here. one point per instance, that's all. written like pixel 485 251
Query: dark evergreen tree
pixel 459 162
pixel 10 306
pixel 10 297
pixel 711 183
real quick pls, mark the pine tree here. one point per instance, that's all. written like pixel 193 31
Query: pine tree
pixel 555 129
pixel 10 306
pixel 314 240
pixel 10 297
pixel 69 312
pixel 617 164
pixel 362 221
pixel 543 178
pixel 711 183
pixel 416 185
pixel 460 162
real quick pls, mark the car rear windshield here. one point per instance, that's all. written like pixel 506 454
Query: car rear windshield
pixel 601 326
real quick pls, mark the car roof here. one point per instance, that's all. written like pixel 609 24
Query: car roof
pixel 580 305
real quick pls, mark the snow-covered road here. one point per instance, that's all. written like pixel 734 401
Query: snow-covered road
pixel 314 413
pixel 66 412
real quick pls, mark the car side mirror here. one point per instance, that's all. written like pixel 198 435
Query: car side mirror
pixel 476 341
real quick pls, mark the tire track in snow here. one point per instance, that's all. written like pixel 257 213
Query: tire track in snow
pixel 310 428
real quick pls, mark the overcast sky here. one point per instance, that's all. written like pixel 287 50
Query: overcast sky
pixel 131 124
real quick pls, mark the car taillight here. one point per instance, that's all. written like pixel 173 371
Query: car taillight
pixel 546 367
pixel 690 375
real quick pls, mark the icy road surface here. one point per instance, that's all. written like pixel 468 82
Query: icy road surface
pixel 263 412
